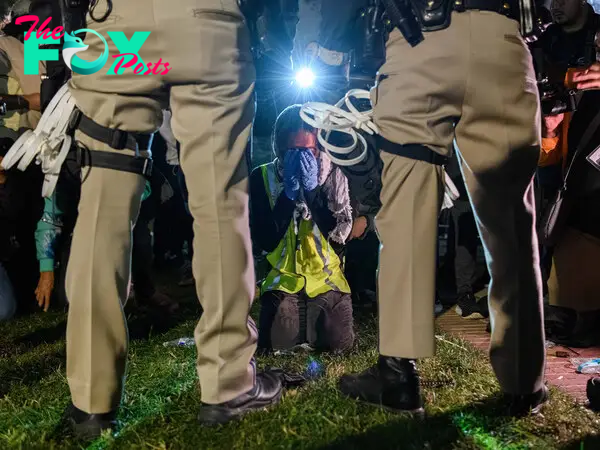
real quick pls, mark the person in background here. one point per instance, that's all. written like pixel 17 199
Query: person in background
pixel 20 206
pixel 20 203
pixel 360 259
pixel 158 191
pixel 573 313
pixel 8 243
pixel 47 233
pixel 466 243
pixel 53 237
pixel 301 217
pixel 19 92
pixel 184 224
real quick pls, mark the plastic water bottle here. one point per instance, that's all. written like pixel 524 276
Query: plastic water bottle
pixel 181 342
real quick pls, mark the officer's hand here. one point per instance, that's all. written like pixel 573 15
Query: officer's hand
pixel 589 78
pixel 358 227
pixel 550 125
pixel 291 174
pixel 309 170
pixel 44 290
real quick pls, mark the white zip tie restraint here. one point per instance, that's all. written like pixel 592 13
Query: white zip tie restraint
pixel 328 118
pixel 48 144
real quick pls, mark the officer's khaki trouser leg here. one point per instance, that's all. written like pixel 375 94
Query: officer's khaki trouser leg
pixel 478 75
pixel 407 228
pixel 216 175
pixel 498 138
pixel 416 102
pixel 97 283
pixel 206 44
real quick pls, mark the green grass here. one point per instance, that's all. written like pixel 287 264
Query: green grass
pixel 162 398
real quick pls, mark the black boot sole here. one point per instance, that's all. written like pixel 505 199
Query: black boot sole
pixel 86 432
pixel 418 413
pixel 534 411
pixel 215 415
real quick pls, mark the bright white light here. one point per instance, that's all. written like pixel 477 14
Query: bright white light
pixel 305 78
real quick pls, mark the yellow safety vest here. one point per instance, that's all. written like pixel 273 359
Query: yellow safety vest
pixel 303 261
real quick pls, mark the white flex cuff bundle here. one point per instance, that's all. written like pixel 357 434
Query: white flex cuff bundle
pixel 48 144
pixel 328 118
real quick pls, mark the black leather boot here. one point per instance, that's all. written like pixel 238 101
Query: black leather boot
pixel 266 392
pixel 593 393
pixel 89 426
pixel 528 405
pixel 393 383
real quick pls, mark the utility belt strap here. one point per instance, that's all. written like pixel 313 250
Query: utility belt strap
pixel 114 161
pixel 116 139
pixel 412 151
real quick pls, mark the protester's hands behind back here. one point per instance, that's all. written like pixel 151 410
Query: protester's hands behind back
pixel 358 228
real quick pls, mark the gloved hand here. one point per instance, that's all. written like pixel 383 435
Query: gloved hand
pixel 309 170
pixel 291 170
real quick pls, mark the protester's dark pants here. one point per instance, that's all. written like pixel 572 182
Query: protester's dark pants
pixel 23 271
pixel 466 240
pixel 186 226
pixel 324 322
pixel 141 258
pixel 548 182
pixel 173 224
pixel 362 256
pixel 61 273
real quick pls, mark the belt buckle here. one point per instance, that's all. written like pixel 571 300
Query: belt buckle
pixel 74 119
pixel 147 169
pixel 79 157
pixel 459 6
pixel 119 139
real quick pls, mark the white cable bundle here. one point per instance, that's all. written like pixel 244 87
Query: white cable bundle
pixel 328 118
pixel 48 144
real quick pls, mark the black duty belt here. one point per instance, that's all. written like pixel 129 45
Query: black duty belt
pixel 412 151
pixel 114 161
pixel 115 138
pixel 509 9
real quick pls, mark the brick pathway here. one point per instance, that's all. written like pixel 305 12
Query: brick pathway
pixel 559 371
